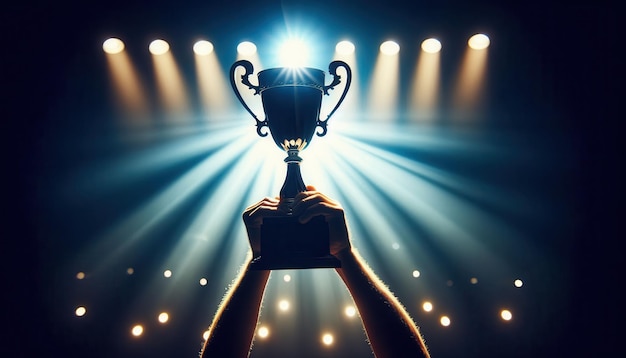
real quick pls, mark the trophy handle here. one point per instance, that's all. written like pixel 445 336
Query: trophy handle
pixel 247 65
pixel 332 69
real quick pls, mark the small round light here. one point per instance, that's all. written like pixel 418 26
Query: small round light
pixel 479 42
pixel 202 48
pixel 283 305
pixel 205 335
pixel 416 273
pixel 345 48
pixel 389 48
pixel 473 280
pixel 167 273
pixel 431 45
pixel 518 283
pixel 263 332
pixel 80 311
pixel 395 246
pixel 80 275
pixel 164 317
pixel 327 339
pixel 137 330
pixel 159 47
pixel 113 46
pixel 350 311
pixel 506 315
pixel 287 278
pixel 203 281
pixel 246 48
pixel 445 321
pixel 130 271
pixel 427 306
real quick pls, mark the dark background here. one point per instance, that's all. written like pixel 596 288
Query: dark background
pixel 577 47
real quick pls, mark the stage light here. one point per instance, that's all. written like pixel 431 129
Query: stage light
pixel 80 311
pixel 345 47
pixel 80 275
pixel 431 45
pixel 202 48
pixel 427 306
pixel 416 273
pixel 163 317
pixel 445 321
pixel 283 305
pixel 167 273
pixel 293 53
pixel 287 278
pixel 263 332
pixel 389 48
pixel 113 46
pixel 159 47
pixel 205 335
pixel 350 311
pixel 327 339
pixel 506 315
pixel 246 48
pixel 518 283
pixel 478 42
pixel 137 330
pixel 203 281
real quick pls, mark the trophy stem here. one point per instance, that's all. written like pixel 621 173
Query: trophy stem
pixel 293 181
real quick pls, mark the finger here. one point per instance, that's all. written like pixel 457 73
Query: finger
pixel 264 201
pixel 328 210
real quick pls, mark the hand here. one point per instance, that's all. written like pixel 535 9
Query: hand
pixel 253 218
pixel 311 203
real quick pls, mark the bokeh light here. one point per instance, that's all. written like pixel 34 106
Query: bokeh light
pixel 137 330
pixel 80 311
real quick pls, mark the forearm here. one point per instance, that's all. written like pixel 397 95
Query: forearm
pixel 232 330
pixel 390 330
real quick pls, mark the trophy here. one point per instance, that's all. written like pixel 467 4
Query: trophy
pixel 292 99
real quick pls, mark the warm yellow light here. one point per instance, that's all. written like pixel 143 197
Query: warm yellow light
pixel 159 47
pixel 80 275
pixel 283 305
pixel 80 311
pixel 506 315
pixel 445 321
pixel 205 335
pixel 202 48
pixel 478 42
pixel 427 306
pixel 246 48
pixel 345 48
pixel 263 332
pixel 327 339
pixel 389 48
pixel 113 45
pixel 130 271
pixel 164 317
pixel 137 330
pixel 350 311
pixel 473 280
pixel 431 45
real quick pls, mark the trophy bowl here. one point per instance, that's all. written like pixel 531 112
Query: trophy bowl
pixel 292 100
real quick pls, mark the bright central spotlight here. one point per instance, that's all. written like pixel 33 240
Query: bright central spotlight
pixel 113 45
pixel 344 48
pixel 202 48
pixel 159 47
pixel 431 45
pixel 246 48
pixel 294 53
pixel 479 42
pixel 389 48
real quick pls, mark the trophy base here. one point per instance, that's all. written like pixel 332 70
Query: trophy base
pixel 288 244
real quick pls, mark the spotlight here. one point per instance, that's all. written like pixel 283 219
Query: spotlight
pixel 427 306
pixel 478 42
pixel 137 330
pixel 80 311
pixel 327 339
pixel 294 53
pixel 159 47
pixel 431 45
pixel 506 315
pixel 263 332
pixel 445 321
pixel 113 45
pixel 345 48
pixel 246 48
pixel 389 48
pixel 164 317
pixel 202 48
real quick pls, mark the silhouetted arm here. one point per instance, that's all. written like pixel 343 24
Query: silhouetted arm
pixel 390 330
pixel 232 330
